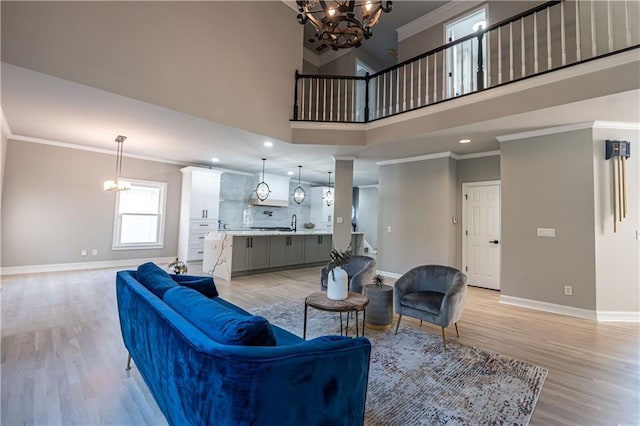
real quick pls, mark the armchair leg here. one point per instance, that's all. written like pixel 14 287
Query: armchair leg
pixel 444 338
pixel 128 363
pixel 420 323
pixel 456 324
pixel 398 325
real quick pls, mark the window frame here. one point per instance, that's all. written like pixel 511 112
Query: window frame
pixel 161 214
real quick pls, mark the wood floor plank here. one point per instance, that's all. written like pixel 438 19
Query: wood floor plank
pixel 62 356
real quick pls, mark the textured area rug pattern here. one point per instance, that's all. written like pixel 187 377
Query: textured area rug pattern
pixel 412 381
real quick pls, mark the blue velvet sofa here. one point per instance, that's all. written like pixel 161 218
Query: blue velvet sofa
pixel 209 362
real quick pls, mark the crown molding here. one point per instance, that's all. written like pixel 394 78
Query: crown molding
pixel 369 186
pixel 545 132
pixel 344 158
pixel 445 154
pixel 477 155
pixel 6 129
pixel 619 125
pixel 443 13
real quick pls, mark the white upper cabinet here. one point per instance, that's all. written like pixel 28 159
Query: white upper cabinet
pixel 279 187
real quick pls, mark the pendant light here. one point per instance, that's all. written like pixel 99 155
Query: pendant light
pixel 298 194
pixel 118 184
pixel 328 196
pixel 262 189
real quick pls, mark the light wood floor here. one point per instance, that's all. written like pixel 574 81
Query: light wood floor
pixel 63 358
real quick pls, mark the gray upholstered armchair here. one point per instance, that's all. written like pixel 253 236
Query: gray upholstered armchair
pixel 360 270
pixel 432 293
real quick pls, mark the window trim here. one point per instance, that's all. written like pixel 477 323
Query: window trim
pixel 117 228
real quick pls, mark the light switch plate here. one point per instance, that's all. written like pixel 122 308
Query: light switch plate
pixel 547 232
pixel 338 219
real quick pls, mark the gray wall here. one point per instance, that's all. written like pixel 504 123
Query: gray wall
pixel 617 254
pixel 473 170
pixel 209 58
pixel 417 200
pixel 3 158
pixel 343 203
pixel 368 218
pixel 54 206
pixel 548 182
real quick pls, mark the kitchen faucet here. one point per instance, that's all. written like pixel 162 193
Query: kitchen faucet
pixel 294 223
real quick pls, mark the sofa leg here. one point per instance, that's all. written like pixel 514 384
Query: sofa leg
pixel 128 363
pixel 456 324
pixel 398 325
pixel 444 338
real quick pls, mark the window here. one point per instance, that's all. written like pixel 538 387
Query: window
pixel 139 218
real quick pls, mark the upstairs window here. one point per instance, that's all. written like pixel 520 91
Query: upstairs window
pixel 139 218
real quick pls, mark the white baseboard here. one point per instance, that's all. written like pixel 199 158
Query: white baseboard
pixel 549 307
pixel 619 316
pixel 389 274
pixel 57 267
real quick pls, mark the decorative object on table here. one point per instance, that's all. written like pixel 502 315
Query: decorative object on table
pixel 465 385
pixel 360 271
pixel 432 293
pixel 262 189
pixel 329 196
pixel 618 152
pixel 342 24
pixel 379 313
pixel 118 184
pixel 177 267
pixel 309 225
pixel 298 194
pixel 338 280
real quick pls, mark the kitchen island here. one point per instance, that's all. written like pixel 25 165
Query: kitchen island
pixel 229 254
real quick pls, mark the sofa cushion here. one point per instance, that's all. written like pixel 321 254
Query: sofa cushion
pixel 221 324
pixel 204 285
pixel 155 279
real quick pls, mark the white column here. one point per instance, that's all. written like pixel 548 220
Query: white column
pixel 343 202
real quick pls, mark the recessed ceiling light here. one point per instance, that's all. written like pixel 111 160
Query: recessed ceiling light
pixel 464 140
pixel 289 173
pixel 268 144
pixel 215 160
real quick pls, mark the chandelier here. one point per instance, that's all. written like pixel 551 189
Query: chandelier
pixel 342 24
pixel 262 189
pixel 298 194
pixel 329 196
pixel 118 184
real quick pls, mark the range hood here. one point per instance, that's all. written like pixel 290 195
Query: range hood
pixel 279 196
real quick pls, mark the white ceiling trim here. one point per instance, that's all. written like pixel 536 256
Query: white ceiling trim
pixel 369 186
pixel 416 158
pixel 318 125
pixel 621 125
pixel 344 158
pixel 476 155
pixel 92 149
pixel 441 14
pixel 6 129
pixel 545 132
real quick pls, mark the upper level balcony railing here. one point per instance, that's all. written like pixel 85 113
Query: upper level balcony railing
pixel 551 36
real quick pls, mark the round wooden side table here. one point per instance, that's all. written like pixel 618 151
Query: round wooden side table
pixel 355 302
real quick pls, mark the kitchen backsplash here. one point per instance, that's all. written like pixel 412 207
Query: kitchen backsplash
pixel 236 212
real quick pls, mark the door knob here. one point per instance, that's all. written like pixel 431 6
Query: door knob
pixel 494 242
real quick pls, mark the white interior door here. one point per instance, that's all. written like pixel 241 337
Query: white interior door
pixel 481 233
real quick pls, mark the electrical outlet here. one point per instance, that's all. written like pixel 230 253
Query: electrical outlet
pixel 338 219
pixel 94 252
pixel 388 228
pixel 83 253
pixel 568 290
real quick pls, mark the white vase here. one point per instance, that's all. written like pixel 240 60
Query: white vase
pixel 337 284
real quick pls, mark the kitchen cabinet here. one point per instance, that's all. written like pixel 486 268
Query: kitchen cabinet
pixel 320 213
pixel 249 253
pixel 317 248
pixel 286 250
pixel 198 210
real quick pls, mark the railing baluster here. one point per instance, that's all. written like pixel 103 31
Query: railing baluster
pixel 470 75
pixel 563 41
pixel 462 70
pixel 419 84
pixel 435 72
pixel 411 100
pixel 331 104
pixel 302 99
pixel 549 60
pixel 578 42
pixel 510 51
pixel 609 26
pixel 353 100
pixel 397 90
pixel 488 59
pixel 384 95
pixel 317 97
pixel 404 88
pixel 426 81
pixel 499 55
pixel 443 74
pixel 324 100
pixel 535 43
pixel 523 67
pixel 377 113
pixel 594 47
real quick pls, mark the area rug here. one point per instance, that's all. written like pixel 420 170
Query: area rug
pixel 412 381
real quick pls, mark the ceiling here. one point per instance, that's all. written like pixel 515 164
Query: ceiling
pixel 384 32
